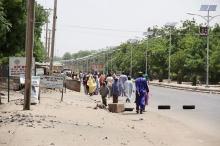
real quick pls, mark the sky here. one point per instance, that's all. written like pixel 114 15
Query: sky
pixel 98 24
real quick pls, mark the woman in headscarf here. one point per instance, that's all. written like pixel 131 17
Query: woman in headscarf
pixel 92 85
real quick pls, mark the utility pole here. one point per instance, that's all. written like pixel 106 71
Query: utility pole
pixel 29 44
pixel 53 36
pixel 46 35
pixel 48 44
pixel 170 25
pixel 47 23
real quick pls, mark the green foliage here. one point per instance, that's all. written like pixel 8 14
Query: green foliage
pixel 81 54
pixel 188 54
pixel 67 56
pixel 13 14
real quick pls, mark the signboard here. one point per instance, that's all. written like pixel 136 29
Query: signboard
pixel 17 66
pixel 51 82
pixel 35 80
pixel 35 89
pixel 35 83
pixel 203 30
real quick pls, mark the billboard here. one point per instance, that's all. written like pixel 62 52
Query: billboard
pixel 17 66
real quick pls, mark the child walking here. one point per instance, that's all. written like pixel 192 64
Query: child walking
pixel 104 91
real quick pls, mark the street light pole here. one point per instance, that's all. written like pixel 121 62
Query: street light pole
pixel 207 18
pixel 172 24
pixel 147 34
pixel 207 54
pixel 169 57
pixel 131 61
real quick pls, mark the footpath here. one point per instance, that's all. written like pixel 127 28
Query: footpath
pixel 214 89
pixel 76 122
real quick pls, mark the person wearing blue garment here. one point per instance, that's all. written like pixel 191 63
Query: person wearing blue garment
pixel 115 90
pixel 141 91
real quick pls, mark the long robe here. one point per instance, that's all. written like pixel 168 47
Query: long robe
pixel 92 84
pixel 141 90
pixel 128 88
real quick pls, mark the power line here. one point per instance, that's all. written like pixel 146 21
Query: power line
pixel 100 28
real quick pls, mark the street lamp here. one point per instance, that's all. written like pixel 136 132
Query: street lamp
pixel 207 18
pixel 170 25
pixel 131 57
pixel 147 34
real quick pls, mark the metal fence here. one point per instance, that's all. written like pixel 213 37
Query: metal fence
pixel 4 82
pixel 7 83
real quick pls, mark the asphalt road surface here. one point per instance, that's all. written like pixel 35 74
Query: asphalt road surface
pixel 205 117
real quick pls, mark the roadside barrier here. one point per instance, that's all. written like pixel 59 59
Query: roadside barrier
pixel 167 107
pixel 163 106
pixel 187 88
pixel 188 106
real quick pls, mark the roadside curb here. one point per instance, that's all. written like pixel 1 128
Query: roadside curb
pixel 188 88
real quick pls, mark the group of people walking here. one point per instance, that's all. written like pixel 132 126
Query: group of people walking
pixel 114 86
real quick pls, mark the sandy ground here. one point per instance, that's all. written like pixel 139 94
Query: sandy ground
pixel 75 122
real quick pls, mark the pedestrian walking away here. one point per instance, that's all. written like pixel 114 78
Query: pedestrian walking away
pixel 101 79
pixel 104 91
pixel 141 91
pixel 128 89
pixel 147 93
pixel 85 79
pixel 122 79
pixel 109 81
pixel 92 85
pixel 115 90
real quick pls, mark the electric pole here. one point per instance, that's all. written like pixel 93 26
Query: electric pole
pixel 47 23
pixel 46 35
pixel 48 44
pixel 53 36
pixel 29 44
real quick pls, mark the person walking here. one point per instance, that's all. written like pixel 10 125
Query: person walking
pixel 128 89
pixel 115 90
pixel 104 91
pixel 141 91
pixel 101 79
pixel 109 81
pixel 85 79
pixel 97 84
pixel 122 79
pixel 92 85
pixel 147 94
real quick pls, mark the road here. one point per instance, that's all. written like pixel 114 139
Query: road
pixel 206 116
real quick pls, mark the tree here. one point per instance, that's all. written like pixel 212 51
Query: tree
pixel 14 13
pixel 215 55
pixel 81 54
pixel 67 56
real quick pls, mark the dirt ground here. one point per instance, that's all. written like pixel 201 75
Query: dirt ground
pixel 76 121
